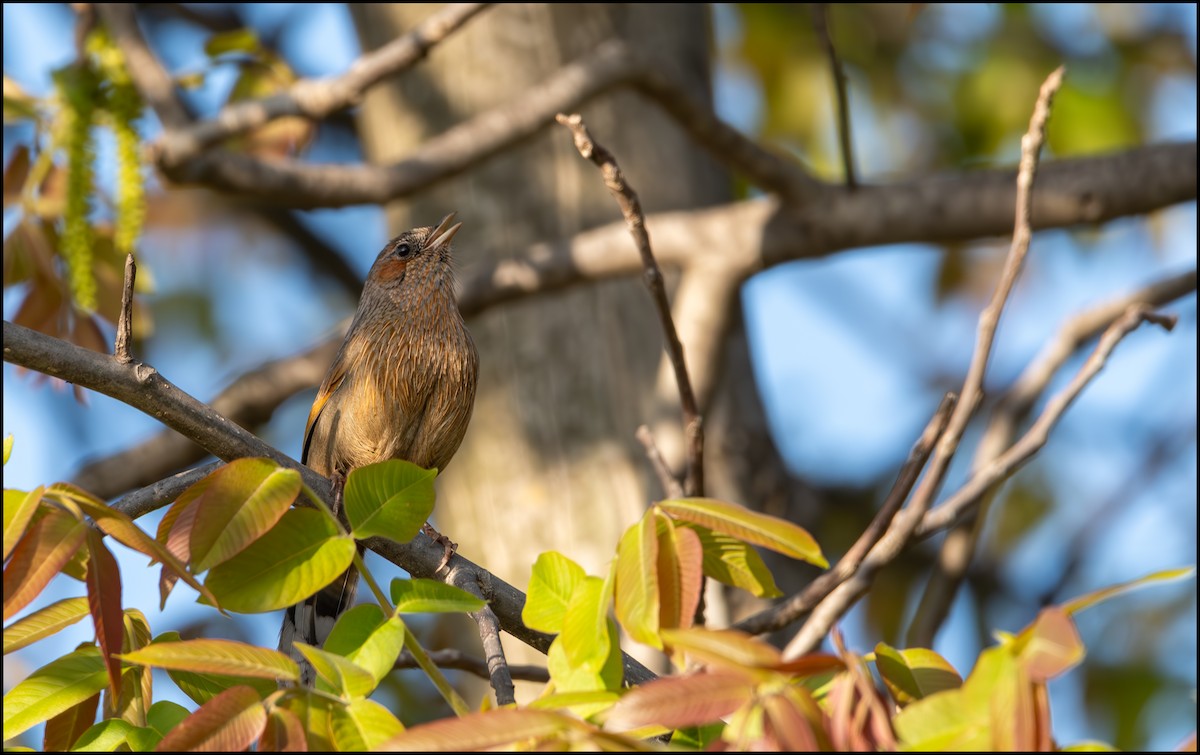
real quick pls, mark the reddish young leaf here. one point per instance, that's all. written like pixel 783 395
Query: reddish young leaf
pixel 679 701
pixel 245 500
pixel 230 722
pixel 284 732
pixel 39 555
pixel 494 729
pixel 1050 646
pixel 104 603
pixel 793 721
pixel 680 574
pixel 64 729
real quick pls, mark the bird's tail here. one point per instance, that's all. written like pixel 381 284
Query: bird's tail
pixel 311 621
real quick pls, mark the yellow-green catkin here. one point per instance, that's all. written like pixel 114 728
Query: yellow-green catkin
pixel 79 91
pixel 124 105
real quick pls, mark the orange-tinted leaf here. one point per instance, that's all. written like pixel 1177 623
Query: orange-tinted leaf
pixel 284 732
pixel 636 592
pixel 793 721
pixel 19 507
pixel 678 701
pixel 1050 646
pixel 771 532
pixel 914 673
pixel 44 623
pixel 244 500
pixel 811 665
pixel 121 528
pixel 15 174
pixel 480 731
pixel 64 729
pixel 680 574
pixel 38 556
pixel 217 657
pixel 724 647
pixel 229 722
pixel 104 604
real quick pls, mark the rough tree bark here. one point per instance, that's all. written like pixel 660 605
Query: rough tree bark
pixel 550 461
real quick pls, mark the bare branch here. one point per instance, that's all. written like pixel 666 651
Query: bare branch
pixel 124 335
pixel 148 75
pixel 454 659
pixel 143 388
pixel 631 208
pixel 1011 411
pixel 821 22
pixel 833 606
pixel 316 99
pixel 489 634
pixel 1033 440
pixel 153 497
pixel 784 613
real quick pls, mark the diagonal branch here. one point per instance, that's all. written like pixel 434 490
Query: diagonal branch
pixel 631 208
pixel 316 98
pixel 954 556
pixel 821 22
pixel 143 388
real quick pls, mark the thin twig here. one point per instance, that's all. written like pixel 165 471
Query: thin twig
pixel 1011 411
pixel 1014 458
pixel 317 98
pixel 834 605
pixel 821 23
pixel 151 79
pixel 782 614
pixel 459 661
pixel 989 319
pixel 125 320
pixel 631 208
pixel 666 478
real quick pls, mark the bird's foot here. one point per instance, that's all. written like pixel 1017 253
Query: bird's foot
pixel 437 537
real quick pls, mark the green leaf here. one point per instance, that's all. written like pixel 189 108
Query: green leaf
pixel 431 596
pixel 44 623
pixel 163 716
pixel 52 689
pixel 759 529
pixel 368 638
pixel 235 40
pixel 735 563
pixel 636 593
pixel 391 499
pixel 914 673
pixel 570 678
pixel 585 628
pixel 229 722
pixel 1083 602
pixel 555 579
pixel 19 508
pixel 1089 746
pixel 217 657
pixel 242 501
pixel 346 678
pixel 362 725
pixel 105 736
pixel 8 441
pixel 300 555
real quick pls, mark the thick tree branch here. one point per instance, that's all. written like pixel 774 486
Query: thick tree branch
pixel 143 388
pixel 316 98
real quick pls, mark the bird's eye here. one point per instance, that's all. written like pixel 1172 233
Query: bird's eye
pixel 403 251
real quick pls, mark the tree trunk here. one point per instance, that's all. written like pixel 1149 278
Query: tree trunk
pixel 550 461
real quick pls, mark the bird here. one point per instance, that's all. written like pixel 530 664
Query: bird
pixel 402 386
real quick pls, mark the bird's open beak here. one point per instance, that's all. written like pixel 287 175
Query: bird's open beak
pixel 444 232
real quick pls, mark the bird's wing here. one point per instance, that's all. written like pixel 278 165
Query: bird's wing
pixel 333 380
